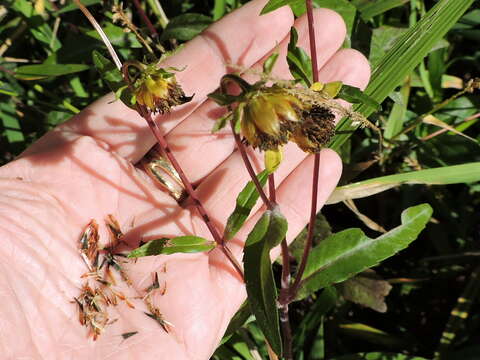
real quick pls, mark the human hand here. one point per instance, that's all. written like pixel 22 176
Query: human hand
pixel 85 169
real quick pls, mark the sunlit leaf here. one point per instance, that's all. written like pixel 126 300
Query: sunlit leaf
pixel 180 244
pixel 32 72
pixel 113 77
pixel 465 173
pixel 344 254
pixel 246 200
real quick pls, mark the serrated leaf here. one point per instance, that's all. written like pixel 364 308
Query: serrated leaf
pixel 268 232
pixel 113 77
pixel 299 62
pixel 349 252
pixel 246 200
pixel 367 289
pixel 185 27
pixel 33 72
pixel 180 244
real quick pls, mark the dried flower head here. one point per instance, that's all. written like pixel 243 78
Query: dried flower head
pixel 270 116
pixel 156 88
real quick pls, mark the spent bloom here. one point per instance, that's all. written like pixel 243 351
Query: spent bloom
pixel 268 117
pixel 157 88
pixel 271 116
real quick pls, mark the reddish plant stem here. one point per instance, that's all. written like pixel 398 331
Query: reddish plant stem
pixel 271 188
pixel 269 204
pixel 145 19
pixel 189 188
pixel 316 167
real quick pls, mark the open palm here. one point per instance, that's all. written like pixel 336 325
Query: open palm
pixel 85 169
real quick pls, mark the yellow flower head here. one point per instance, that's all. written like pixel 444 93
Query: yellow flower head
pixel 271 116
pixel 158 90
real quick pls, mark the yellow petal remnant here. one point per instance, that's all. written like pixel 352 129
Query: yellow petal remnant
pixel 273 158
pixel 157 89
pixel 272 116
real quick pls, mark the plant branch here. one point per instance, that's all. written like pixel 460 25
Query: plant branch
pixel 145 19
pixel 248 165
pixel 316 167
pixel 189 188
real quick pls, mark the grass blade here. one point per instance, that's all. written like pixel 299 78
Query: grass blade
pixel 405 55
pixel 465 173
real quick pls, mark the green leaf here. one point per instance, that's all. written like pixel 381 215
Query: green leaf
pixel 221 122
pixel 349 252
pixel 246 200
pixel 408 51
pixel 180 244
pixel 378 356
pixel 270 63
pixel 31 72
pixel 223 99
pixel 275 4
pixel 354 95
pixel 383 39
pixel 313 319
pixel 398 113
pixel 456 174
pixel 185 27
pixel 73 6
pixel 268 232
pixel 113 77
pixel 374 8
pixel 298 60
pixel 219 9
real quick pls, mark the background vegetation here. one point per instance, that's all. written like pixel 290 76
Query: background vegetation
pixel 428 278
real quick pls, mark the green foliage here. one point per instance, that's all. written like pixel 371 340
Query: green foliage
pixel 349 252
pixel 261 289
pixel 246 200
pixel 186 27
pixel 180 244
pixel 298 61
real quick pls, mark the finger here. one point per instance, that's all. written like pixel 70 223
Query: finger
pixel 240 38
pixel 219 146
